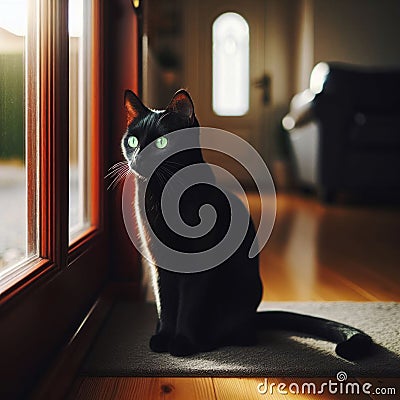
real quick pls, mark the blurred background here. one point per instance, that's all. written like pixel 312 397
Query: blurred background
pixel 312 85
pixel 267 60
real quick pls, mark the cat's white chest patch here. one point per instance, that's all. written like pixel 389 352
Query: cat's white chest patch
pixel 145 250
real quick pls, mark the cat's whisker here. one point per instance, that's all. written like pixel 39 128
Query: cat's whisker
pixel 117 170
pixel 122 166
pixel 118 176
pixel 159 178
pixel 118 164
pixel 168 171
pixel 162 177
pixel 172 174
pixel 174 163
pixel 111 185
pixel 165 174
pixel 173 184
pixel 118 180
pixel 114 173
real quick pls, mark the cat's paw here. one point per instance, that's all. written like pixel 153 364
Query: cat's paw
pixel 159 343
pixel 181 346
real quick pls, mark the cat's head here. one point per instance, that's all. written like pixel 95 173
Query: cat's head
pixel 148 128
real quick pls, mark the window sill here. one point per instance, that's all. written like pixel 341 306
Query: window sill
pixel 22 276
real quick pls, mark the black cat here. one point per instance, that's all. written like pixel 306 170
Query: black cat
pixel 205 310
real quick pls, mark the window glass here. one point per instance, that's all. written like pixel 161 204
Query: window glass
pixel 15 206
pixel 79 117
pixel 230 35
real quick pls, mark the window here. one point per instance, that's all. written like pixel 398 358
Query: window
pixel 79 117
pixel 230 36
pixel 46 290
pixel 18 135
pixel 47 74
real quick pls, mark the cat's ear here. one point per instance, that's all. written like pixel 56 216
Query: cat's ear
pixel 134 107
pixel 182 104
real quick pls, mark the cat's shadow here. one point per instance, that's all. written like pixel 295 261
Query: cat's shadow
pixel 290 354
pixel 121 349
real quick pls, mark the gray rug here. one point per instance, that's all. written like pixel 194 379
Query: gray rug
pixel 121 348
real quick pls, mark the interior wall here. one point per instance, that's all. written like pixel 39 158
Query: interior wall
pixel 280 50
pixel 361 32
pixel 152 82
pixel 280 18
pixel 163 51
pixel 364 32
pixel 304 44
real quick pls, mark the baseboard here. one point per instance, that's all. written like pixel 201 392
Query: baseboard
pixel 62 373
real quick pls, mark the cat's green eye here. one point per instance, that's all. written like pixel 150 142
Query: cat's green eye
pixel 133 142
pixel 161 142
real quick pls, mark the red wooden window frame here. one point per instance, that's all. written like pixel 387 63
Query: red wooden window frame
pixel 52 158
pixel 40 312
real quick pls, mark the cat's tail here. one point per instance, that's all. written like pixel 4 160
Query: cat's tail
pixel 352 344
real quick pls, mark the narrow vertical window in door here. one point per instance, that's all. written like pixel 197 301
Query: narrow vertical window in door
pixel 18 137
pixel 230 36
pixel 79 117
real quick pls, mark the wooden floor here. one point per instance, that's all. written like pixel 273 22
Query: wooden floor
pixel 336 252
pixel 225 389
pixel 316 252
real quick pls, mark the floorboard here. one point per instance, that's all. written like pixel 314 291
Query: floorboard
pixel 94 388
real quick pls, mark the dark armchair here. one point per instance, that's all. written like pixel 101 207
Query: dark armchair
pixel 345 130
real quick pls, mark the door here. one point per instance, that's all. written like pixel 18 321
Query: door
pixel 199 61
